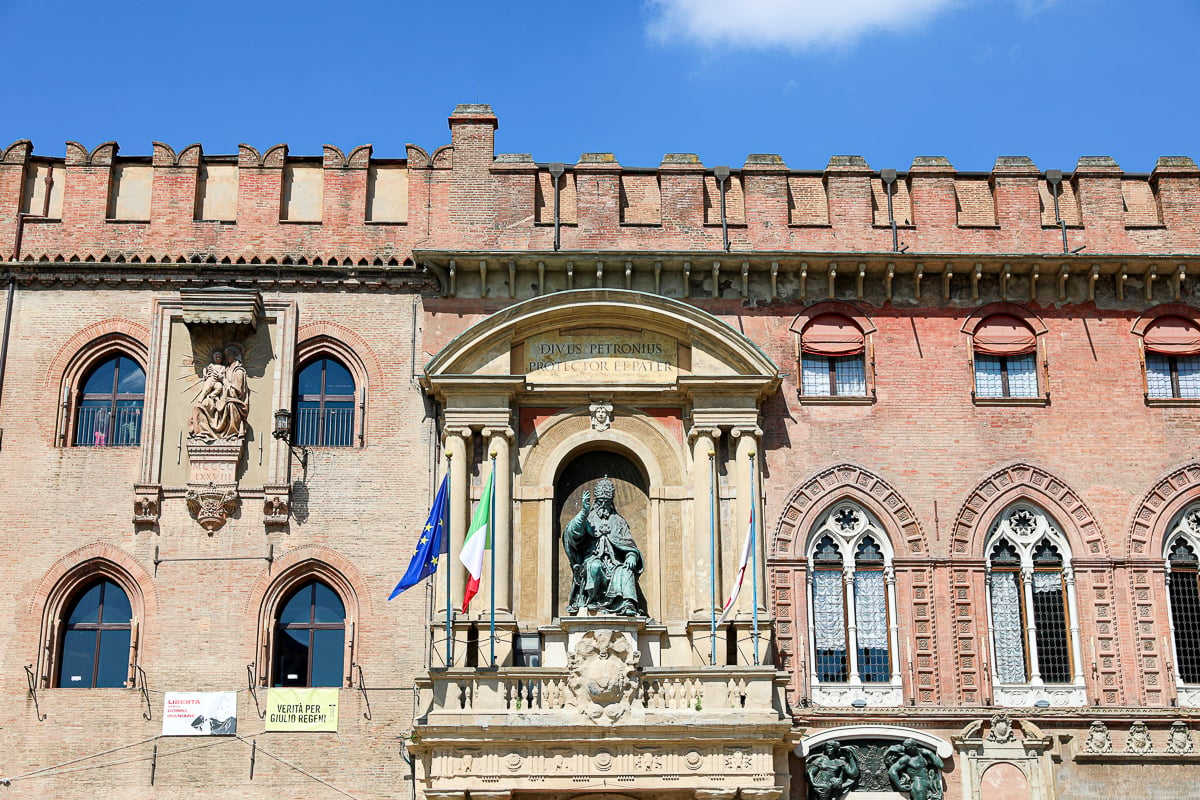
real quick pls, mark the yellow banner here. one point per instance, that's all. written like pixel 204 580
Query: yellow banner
pixel 290 709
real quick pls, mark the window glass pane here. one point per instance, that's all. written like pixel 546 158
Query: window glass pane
pixel 298 608
pixel 100 381
pixel 988 382
pixel 132 380
pixel 851 376
pixel 814 375
pixel 1022 376
pixel 127 425
pixel 114 659
pixel 78 659
pixel 308 422
pixel 1158 375
pixel 1050 618
pixel 870 614
pixel 116 604
pixel 1189 375
pixel 1006 627
pixel 829 619
pixel 291 657
pixel 309 381
pixel 328 648
pixel 338 425
pixel 329 606
pixel 337 378
pixel 87 607
pixel 1185 612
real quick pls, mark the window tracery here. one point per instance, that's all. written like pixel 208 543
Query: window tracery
pixel 1181 546
pixel 1035 640
pixel 852 605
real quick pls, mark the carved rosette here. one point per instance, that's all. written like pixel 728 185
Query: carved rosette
pixel 602 672
pixel 211 505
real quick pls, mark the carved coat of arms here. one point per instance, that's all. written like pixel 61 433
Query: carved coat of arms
pixel 602 675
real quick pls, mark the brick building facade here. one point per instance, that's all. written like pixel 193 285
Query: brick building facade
pixel 958 407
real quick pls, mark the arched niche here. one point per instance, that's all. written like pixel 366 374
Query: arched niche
pixel 581 474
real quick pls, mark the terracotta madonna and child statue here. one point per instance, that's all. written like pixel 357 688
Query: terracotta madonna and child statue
pixel 219 413
pixel 605 560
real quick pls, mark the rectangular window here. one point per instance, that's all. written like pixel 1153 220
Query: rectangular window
pixel 1008 636
pixel 871 619
pixel 1172 376
pixel 829 621
pixel 1185 613
pixel 1006 376
pixel 832 376
pixel 1050 618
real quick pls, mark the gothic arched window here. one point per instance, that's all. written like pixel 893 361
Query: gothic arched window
pixel 1030 592
pixel 325 400
pixel 109 404
pixel 310 637
pixel 1183 576
pixel 1172 347
pixel 94 651
pixel 852 608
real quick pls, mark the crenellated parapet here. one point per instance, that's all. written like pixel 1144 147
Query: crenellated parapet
pixel 99 205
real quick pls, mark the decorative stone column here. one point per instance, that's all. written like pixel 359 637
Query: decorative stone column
pixel 704 474
pixel 457 446
pixel 1035 672
pixel 500 441
pixel 746 445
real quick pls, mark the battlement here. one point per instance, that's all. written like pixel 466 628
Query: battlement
pixel 350 208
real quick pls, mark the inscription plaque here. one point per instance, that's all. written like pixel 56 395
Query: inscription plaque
pixel 602 357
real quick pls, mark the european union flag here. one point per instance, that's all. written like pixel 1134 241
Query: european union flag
pixel 429 546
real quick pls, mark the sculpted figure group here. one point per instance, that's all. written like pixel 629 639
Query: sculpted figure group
pixel 219 413
pixel 911 768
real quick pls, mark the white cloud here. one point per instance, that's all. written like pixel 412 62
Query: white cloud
pixel 790 23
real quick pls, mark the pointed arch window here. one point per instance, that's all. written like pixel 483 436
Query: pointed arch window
pixel 109 404
pixel 1183 584
pixel 853 607
pixel 1035 639
pixel 97 633
pixel 325 404
pixel 310 637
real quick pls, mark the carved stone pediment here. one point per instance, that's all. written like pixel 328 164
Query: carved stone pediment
pixel 602 672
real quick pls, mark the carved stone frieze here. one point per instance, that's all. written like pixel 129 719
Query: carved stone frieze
pixel 212 505
pixel 1027 696
pixel 602 673
pixel 845 695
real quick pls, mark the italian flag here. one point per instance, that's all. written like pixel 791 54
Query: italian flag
pixel 479 539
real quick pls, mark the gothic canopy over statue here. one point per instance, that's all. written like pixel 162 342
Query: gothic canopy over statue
pixel 605 560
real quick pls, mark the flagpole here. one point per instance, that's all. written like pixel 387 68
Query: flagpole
pixel 712 555
pixel 448 567
pixel 492 544
pixel 754 550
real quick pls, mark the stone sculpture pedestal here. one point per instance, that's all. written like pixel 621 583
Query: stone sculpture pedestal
pixel 212 489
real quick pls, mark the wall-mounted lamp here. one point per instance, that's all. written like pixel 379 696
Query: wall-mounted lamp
pixel 283 432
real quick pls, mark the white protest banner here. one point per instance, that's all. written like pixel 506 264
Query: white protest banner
pixel 200 714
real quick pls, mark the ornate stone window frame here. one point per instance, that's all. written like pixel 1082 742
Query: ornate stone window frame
pixel 1186 526
pixel 848 524
pixel 1032 525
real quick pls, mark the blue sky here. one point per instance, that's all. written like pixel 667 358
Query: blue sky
pixel 886 79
